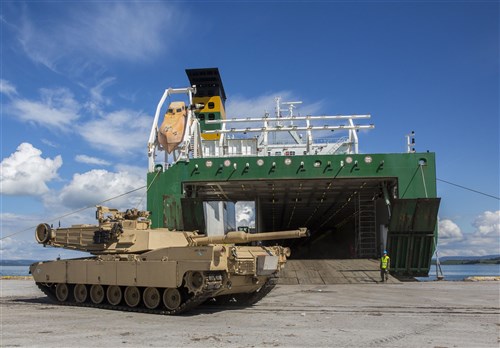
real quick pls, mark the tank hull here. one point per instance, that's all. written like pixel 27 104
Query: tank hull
pixel 215 273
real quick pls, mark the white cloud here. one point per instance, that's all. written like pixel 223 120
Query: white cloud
pixel 465 251
pixel 448 230
pixel 13 221
pixel 98 185
pixel 15 249
pixel 245 214
pixel 7 88
pixel 10 217
pixel 120 132
pixel 85 190
pixel 132 170
pixel 131 31
pixel 485 240
pixel 241 107
pixel 26 172
pixel 91 160
pixel 56 108
pixel 12 249
pixel 257 107
pixel 49 143
pixel 21 245
pixel 97 99
pixel 488 224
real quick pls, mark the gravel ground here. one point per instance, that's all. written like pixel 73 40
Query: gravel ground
pixel 415 314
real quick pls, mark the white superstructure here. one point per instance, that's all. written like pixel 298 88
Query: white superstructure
pixel 281 135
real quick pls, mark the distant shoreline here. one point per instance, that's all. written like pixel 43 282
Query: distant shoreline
pixel 17 262
pixel 459 260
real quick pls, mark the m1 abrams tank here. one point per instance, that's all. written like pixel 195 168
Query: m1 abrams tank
pixel 136 268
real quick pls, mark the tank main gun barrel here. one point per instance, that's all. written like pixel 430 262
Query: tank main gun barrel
pixel 238 237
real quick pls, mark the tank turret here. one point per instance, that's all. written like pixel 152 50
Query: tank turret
pixel 129 232
pixel 134 267
pixel 116 232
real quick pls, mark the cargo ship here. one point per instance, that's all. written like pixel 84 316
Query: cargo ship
pixel 296 171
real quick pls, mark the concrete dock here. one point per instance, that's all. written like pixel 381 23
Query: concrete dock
pixel 415 314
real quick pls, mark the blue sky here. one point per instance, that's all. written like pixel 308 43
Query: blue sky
pixel 80 82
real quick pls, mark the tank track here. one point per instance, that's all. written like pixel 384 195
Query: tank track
pixel 210 289
pixel 248 299
pixel 256 296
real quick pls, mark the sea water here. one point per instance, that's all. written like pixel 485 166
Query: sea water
pixel 14 270
pixel 460 272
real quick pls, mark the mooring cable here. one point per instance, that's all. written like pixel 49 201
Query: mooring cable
pixel 147 190
pixel 423 180
pixel 469 189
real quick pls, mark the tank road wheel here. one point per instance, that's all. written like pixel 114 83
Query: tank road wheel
pixel 132 296
pixel 62 292
pixel 114 295
pixel 194 282
pixel 96 293
pixel 80 292
pixel 151 298
pixel 171 298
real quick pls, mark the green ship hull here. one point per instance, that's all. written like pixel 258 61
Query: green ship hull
pixel 344 200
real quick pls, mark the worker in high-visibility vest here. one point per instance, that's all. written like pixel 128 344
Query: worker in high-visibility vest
pixel 385 262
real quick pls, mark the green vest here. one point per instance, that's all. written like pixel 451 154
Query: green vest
pixel 384 262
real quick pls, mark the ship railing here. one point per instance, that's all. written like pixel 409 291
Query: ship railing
pixel 278 124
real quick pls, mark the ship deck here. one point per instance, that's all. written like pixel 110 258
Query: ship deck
pixel 353 271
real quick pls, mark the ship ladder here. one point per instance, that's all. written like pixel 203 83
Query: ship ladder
pixel 365 227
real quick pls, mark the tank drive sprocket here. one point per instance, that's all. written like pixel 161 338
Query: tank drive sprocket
pixel 245 299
